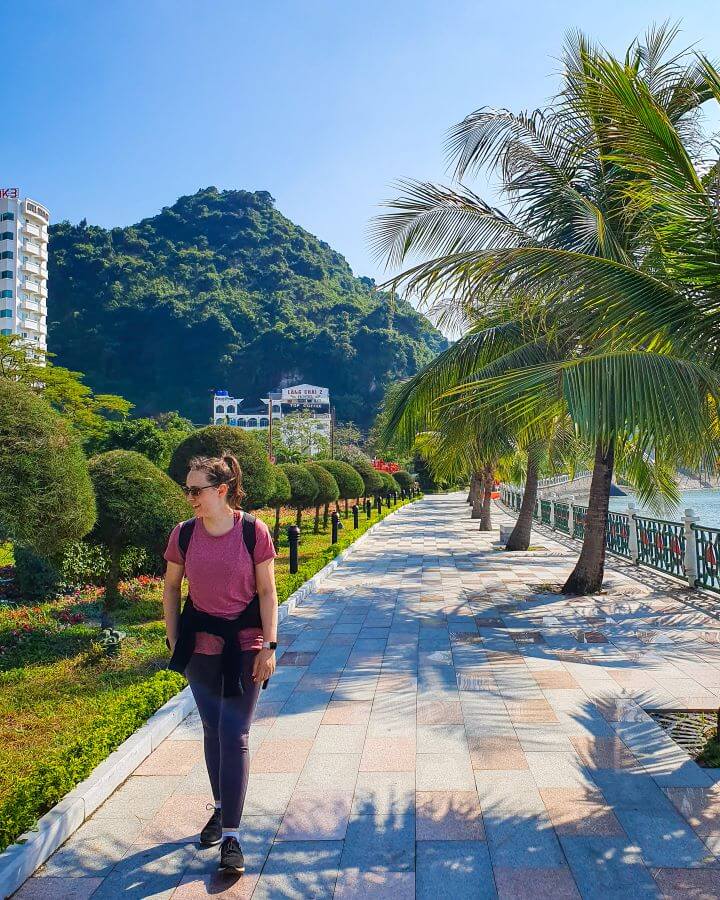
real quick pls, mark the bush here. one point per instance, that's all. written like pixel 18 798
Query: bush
pixel 138 506
pixel 303 487
pixel 279 497
pixel 46 496
pixel 48 781
pixel 214 441
pixel 389 484
pixel 349 482
pixel 327 492
pixel 372 482
pixel 404 479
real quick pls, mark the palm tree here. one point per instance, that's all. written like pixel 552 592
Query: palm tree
pixel 569 180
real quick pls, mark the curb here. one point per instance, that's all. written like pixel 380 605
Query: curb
pixel 33 848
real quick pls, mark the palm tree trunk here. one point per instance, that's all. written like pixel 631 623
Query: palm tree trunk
pixel 587 576
pixel 298 517
pixel 469 498
pixel 487 486
pixel 276 529
pixel 520 537
pixel 476 495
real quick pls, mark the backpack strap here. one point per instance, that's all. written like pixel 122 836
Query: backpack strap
pixel 249 535
pixel 186 532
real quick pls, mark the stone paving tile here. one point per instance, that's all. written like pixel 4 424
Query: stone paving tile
pixel 454 870
pixel 299 869
pixel 172 758
pixel 429 696
pixel 448 816
pixel 538 884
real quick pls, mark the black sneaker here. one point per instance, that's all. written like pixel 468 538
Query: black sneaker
pixel 212 832
pixel 231 857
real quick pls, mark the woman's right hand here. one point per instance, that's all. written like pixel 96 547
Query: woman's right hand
pixel 170 644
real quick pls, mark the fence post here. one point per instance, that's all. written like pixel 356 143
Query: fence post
pixel 538 506
pixel 691 569
pixel 293 533
pixel 571 516
pixel 552 511
pixel 633 535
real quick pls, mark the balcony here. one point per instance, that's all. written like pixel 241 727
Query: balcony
pixel 33 286
pixel 32 267
pixel 31 324
pixel 33 230
pixel 31 305
pixel 31 247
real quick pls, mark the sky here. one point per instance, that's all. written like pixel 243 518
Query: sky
pixel 118 108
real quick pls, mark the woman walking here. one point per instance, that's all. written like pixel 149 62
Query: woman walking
pixel 225 638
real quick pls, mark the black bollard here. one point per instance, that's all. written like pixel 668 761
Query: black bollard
pixel 335 519
pixel 368 508
pixel 378 503
pixel 356 516
pixel 293 533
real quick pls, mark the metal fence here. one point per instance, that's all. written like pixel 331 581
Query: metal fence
pixel 684 549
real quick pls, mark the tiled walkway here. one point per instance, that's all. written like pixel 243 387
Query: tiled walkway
pixel 440 725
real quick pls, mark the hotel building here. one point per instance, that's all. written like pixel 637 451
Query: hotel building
pixel 282 405
pixel 23 271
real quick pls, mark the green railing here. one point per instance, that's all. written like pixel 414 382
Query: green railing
pixel 707 554
pixel 661 545
pixel 617 536
pixel 545 512
pixel 579 516
pixel 562 516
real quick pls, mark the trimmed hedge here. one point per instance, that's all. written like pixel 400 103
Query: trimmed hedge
pixel 59 772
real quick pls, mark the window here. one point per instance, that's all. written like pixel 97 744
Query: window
pixel 264 422
pixel 230 409
pixel 6 274
pixel 252 423
pixel 5 314
pixel 6 293
pixel 7 254
pixel 7 217
pixel 219 409
pixel 6 236
pixel 5 330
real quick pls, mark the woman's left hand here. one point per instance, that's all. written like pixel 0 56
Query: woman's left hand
pixel 264 664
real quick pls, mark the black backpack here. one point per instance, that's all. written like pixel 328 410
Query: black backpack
pixel 249 536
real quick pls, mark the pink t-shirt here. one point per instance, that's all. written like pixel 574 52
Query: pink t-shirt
pixel 221 576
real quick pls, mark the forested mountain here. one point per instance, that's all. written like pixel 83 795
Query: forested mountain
pixel 222 291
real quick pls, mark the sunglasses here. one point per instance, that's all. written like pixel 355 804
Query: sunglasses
pixel 196 491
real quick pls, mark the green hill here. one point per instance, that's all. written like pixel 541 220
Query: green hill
pixel 220 290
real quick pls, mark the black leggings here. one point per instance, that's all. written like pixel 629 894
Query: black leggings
pixel 226 726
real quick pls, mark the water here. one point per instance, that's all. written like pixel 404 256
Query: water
pixel 705 503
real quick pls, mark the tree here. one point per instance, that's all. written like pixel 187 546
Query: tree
pixel 328 490
pixel 303 488
pixel 405 480
pixel 142 435
pixel 46 496
pixel 218 439
pixel 372 482
pixel 350 484
pixel 571 216
pixel 138 506
pixel 300 433
pixel 279 497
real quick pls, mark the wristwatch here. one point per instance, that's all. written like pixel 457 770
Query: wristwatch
pixel 269 645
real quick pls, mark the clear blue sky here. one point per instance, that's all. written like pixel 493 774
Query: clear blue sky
pixel 115 109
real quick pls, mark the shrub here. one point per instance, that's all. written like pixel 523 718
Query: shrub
pixel 138 505
pixel 46 496
pixel 389 484
pixel 214 441
pixel 303 487
pixel 372 482
pixel 279 497
pixel 349 482
pixel 328 490
pixel 47 782
pixel 404 479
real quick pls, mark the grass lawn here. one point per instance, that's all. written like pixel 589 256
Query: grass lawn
pixel 65 704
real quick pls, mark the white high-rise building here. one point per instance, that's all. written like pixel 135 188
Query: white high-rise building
pixel 23 271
